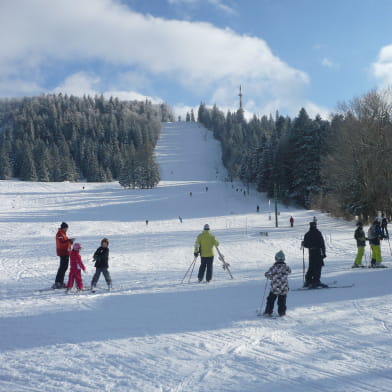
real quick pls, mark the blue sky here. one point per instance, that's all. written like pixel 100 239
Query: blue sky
pixel 286 54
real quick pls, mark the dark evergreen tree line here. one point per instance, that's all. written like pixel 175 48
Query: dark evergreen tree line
pixel 272 152
pixel 341 166
pixel 66 138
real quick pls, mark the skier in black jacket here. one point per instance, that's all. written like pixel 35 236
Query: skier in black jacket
pixel 101 258
pixel 314 241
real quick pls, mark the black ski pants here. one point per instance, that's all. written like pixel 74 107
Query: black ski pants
pixel 313 274
pixel 269 308
pixel 206 263
pixel 64 261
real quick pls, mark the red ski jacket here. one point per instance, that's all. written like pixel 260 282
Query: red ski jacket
pixel 76 262
pixel 63 243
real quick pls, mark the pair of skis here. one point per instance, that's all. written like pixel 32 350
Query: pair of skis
pixel 259 311
pixel 225 266
pixel 333 286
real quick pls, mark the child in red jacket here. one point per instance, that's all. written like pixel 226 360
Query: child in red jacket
pixel 76 267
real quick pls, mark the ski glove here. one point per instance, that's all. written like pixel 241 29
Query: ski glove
pixel 196 254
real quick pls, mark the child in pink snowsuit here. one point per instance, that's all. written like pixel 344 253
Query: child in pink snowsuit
pixel 76 267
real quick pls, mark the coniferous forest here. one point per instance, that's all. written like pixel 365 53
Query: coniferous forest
pixel 66 138
pixel 342 165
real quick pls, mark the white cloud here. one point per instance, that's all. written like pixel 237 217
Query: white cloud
pixel 313 110
pixel 223 7
pixel 81 83
pixel 219 4
pixel 182 109
pixel 16 87
pixel 327 63
pixel 202 58
pixel 382 68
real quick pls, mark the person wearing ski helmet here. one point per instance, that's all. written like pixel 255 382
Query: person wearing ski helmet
pixel 314 241
pixel 278 275
pixel 63 246
pixel 375 236
pixel 101 258
pixel 204 245
pixel 360 237
pixel 76 267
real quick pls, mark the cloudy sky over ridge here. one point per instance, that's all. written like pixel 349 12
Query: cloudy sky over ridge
pixel 286 54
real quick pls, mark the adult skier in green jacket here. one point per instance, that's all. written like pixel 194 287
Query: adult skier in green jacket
pixel 204 246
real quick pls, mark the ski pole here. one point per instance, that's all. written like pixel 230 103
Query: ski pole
pixel 366 260
pixel 303 264
pixel 262 299
pixel 186 273
pixel 190 276
pixel 389 243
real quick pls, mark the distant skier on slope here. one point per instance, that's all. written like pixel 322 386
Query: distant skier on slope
pixel 360 237
pixel 314 241
pixel 374 237
pixel 278 274
pixel 384 226
pixel 204 246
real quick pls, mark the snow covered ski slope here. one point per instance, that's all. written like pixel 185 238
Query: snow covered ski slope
pixel 152 333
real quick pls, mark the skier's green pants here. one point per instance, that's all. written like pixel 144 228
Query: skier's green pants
pixel 360 252
pixel 376 253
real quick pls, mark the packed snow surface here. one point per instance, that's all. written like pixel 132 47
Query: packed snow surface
pixel 152 333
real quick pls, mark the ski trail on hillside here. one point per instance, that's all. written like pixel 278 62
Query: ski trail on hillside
pixel 188 152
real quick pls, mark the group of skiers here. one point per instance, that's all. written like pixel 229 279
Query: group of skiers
pixel 314 241
pixel 205 242
pixel 278 273
pixel 69 252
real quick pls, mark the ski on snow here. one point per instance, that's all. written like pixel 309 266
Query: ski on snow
pixel 260 313
pixel 84 290
pixel 321 288
pixel 369 267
